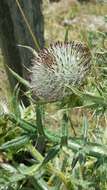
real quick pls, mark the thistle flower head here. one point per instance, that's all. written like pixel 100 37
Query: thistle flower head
pixel 59 66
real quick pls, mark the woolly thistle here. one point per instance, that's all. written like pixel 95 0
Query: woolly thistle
pixel 57 67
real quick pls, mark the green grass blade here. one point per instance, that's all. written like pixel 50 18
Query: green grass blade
pixel 85 129
pixel 19 78
pixel 51 154
pixel 22 123
pixel 19 141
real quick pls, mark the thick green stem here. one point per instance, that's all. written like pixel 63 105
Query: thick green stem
pixel 39 123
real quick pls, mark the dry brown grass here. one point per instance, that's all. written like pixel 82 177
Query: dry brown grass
pixel 56 13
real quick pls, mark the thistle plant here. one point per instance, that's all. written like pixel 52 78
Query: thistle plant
pixel 58 67
pixel 81 163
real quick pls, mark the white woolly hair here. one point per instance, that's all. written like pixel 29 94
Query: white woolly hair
pixel 59 66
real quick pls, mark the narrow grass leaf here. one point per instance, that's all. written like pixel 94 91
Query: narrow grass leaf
pixel 51 154
pixel 85 128
pixel 40 184
pixel 64 137
pixel 15 102
pixel 97 99
pixel 19 141
pixel 51 136
pixel 66 34
pixel 32 50
pixel 9 168
pixel 39 114
pixel 22 123
pixel 89 96
pixel 17 177
pixel 91 149
pixel 30 171
pixel 19 78
pixel 75 160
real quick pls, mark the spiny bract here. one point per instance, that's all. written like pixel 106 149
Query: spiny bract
pixel 57 67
